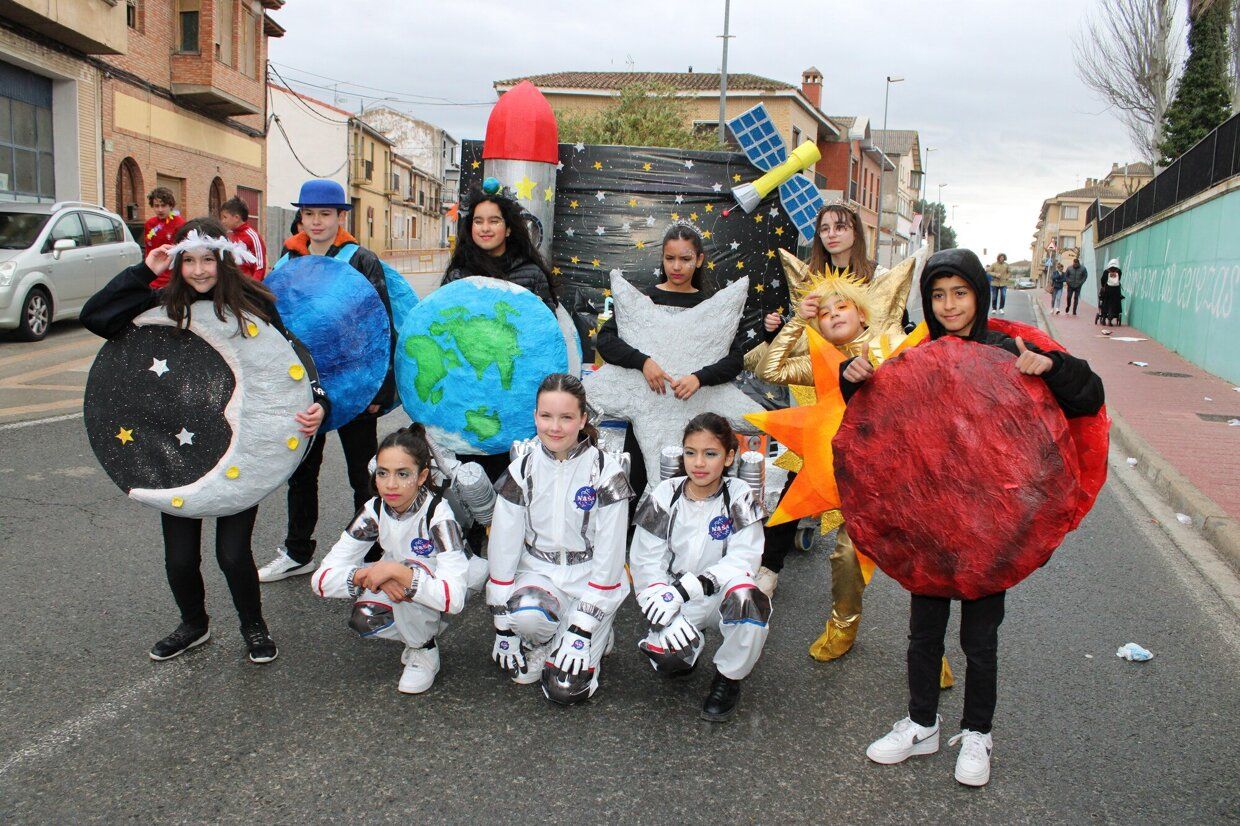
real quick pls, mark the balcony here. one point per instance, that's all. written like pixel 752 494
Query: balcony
pixel 201 81
pixel 363 171
pixel 91 26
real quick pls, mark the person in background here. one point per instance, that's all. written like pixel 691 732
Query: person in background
pixel 235 216
pixel 1110 295
pixel 1058 280
pixel 1075 276
pixel 161 229
pixel 1000 280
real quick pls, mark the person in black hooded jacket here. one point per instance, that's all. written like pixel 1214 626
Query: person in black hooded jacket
pixel 955 293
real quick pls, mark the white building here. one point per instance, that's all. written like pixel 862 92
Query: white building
pixel 307 139
pixel 900 192
pixel 432 151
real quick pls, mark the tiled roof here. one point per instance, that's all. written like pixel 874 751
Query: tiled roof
pixel 682 81
pixel 1094 192
pixel 844 122
pixel 1135 169
pixel 895 141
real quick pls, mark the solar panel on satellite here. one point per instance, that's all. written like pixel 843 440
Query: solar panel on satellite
pixel 762 144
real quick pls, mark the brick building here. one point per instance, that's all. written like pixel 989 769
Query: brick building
pixel 853 165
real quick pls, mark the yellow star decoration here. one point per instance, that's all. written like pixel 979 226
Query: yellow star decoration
pixel 807 431
pixel 549 194
pixel 475 165
pixel 555 271
pixel 736 178
pixel 759 288
pixel 572 204
pixel 606 293
pixel 125 435
pixel 598 165
pixel 710 207
pixel 641 245
pixel 710 265
pixel 675 216
pixel 596 263
pixel 757 219
pixel 692 216
pixel 575 260
pixel 779 230
pixel 740 265
pixel 632 202
pixel 770 253
pixel 645 167
pixel 706 233
pixel 779 310
pixel 525 188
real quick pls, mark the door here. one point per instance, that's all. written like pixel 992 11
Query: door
pixel 71 273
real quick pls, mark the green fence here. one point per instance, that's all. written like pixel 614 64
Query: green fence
pixel 1182 282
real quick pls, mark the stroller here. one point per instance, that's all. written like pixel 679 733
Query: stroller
pixel 1110 296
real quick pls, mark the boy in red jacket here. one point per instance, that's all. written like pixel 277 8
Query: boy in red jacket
pixel 235 216
pixel 162 228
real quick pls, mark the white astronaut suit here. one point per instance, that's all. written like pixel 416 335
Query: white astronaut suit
pixel 556 565
pixel 693 564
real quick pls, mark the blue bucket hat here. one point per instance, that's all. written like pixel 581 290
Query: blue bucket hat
pixel 320 193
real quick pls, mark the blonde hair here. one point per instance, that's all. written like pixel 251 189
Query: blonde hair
pixel 847 286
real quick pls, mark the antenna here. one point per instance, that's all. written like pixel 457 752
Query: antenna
pixel 629 61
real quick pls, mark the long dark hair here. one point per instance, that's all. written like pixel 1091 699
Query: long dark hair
pixel 683 232
pixel 235 292
pixel 412 439
pixel 859 263
pixel 564 383
pixel 715 425
pixel 471 259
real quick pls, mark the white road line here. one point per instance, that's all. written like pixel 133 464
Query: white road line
pixel 33 422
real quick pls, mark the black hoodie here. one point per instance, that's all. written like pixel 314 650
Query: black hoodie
pixel 1076 387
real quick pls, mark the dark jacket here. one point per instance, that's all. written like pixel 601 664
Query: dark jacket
pixel 1076 387
pixel 1058 278
pixel 520 271
pixel 1076 275
pixel 111 311
pixel 617 351
pixel 369 265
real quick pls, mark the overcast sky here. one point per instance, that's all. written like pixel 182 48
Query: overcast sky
pixel 990 84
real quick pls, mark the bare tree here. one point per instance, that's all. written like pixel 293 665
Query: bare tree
pixel 1234 64
pixel 1129 53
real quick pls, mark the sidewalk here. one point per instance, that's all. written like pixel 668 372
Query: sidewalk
pixel 1171 416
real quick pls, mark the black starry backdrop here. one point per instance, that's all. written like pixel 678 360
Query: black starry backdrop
pixel 614 204
pixel 154 407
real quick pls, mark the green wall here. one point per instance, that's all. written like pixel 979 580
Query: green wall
pixel 1182 283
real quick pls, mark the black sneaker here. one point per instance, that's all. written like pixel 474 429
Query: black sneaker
pixel 721 701
pixel 258 641
pixel 180 641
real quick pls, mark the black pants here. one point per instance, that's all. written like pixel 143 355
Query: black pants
pixel 360 441
pixel 979 638
pixel 183 562
pixel 492 465
pixel 778 540
pixel 1074 298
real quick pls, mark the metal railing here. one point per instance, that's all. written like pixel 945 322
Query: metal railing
pixel 424 260
pixel 1213 160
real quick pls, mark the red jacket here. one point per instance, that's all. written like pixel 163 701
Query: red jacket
pixel 156 235
pixel 251 240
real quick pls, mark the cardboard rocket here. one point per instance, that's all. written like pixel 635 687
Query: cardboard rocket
pixel 522 152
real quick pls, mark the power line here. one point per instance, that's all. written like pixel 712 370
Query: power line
pixel 303 104
pixel 276 120
pixel 403 97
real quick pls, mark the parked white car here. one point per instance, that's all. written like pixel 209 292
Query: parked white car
pixel 55 256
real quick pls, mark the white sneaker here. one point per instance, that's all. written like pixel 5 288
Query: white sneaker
pixel 535 659
pixel 905 740
pixel 766 580
pixel 421 666
pixel 973 764
pixel 283 567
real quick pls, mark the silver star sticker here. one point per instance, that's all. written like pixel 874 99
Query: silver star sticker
pixel 658 420
pixel 570 232
pixel 734 245
pixel 600 196
pixel 680 199
pixel 599 231
pixel 650 220
pixel 774 213
pixel 657 271
pixel 559 167
pixel 750 334
pixel 688 164
pixel 625 227
pixel 158 366
pixel 717 187
pixel 579 146
pixel 185 438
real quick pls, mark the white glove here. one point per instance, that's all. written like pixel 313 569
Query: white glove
pixel 573 654
pixel 680 634
pixel 660 603
pixel 507 651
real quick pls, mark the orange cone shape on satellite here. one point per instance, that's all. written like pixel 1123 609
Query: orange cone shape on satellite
pixel 808 431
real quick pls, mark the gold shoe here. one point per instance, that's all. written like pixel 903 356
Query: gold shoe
pixel 946 680
pixel 836 639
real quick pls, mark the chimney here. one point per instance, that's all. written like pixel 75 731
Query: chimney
pixel 1114 167
pixel 811 86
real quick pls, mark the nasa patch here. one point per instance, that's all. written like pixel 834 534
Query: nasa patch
pixel 720 527
pixel 579 644
pixel 585 498
pixel 422 547
pixel 503 645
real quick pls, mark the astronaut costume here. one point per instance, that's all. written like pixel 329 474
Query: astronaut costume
pixel 693 564
pixel 427 539
pixel 556 560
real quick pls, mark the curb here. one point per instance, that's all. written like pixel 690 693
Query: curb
pixel 1214 524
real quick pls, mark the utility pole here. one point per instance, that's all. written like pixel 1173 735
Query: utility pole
pixel 938 224
pixel 723 74
pixel 878 236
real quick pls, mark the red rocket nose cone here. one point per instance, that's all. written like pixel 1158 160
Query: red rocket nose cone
pixel 522 127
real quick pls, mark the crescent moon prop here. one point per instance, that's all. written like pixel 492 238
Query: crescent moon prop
pixel 337 314
pixel 198 422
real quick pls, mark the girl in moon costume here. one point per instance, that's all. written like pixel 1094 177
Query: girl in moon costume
pixel 557 550
pixel 697 542
pixel 422 574
pixel 204 278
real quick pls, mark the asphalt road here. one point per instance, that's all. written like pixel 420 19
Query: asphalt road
pixel 92 730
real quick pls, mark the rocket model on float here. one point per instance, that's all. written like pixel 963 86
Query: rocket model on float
pixel 522 152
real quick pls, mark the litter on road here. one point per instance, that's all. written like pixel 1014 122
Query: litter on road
pixel 1134 653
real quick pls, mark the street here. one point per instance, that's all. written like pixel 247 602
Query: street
pixel 92 730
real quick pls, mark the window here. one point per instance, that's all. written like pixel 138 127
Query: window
pixel 253 200
pixel 133 15
pixel 187 18
pixel 216 196
pixel 101 229
pixel 69 227
pixel 224 31
pixel 1067 242
pixel 1069 213
pixel 27 170
pixel 247 58
pixel 796 137
pixel 852 179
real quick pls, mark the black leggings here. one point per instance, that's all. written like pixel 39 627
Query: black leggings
pixel 183 562
pixel 979 638
pixel 778 540
pixel 360 441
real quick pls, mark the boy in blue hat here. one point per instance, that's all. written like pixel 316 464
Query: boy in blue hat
pixel 323 212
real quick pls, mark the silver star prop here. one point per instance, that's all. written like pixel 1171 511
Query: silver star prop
pixel 681 341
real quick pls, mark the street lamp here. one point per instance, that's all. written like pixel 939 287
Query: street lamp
pixel 938 224
pixel 878 237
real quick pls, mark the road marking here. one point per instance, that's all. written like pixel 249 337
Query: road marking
pixel 32 354
pixel 20 379
pixel 33 422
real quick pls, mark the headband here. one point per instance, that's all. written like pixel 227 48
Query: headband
pixel 194 240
